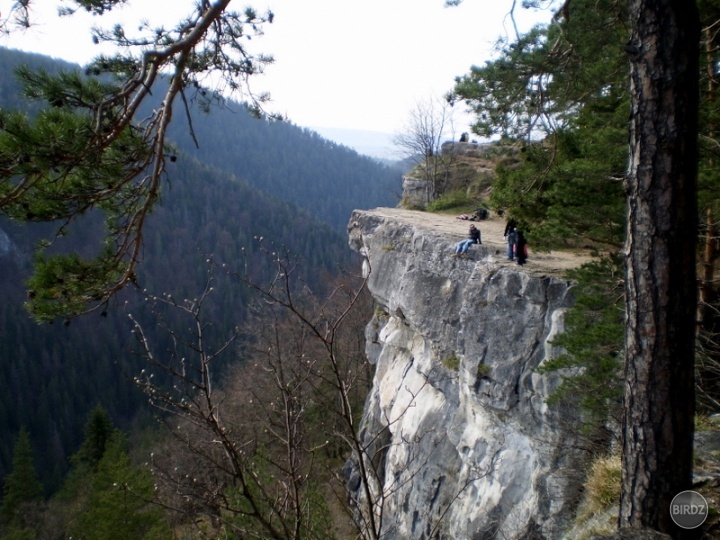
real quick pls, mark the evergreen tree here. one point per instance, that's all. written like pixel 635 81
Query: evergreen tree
pixel 559 94
pixel 660 276
pixel 99 430
pixel 56 374
pixel 22 488
pixel 118 503
pixel 591 365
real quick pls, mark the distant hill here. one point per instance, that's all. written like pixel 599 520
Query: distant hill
pixel 375 144
pixel 248 179
pixel 291 163
pixel 294 164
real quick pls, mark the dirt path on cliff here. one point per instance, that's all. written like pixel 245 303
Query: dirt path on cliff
pixel 492 229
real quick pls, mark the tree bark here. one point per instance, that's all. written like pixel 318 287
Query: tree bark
pixel 706 312
pixel 661 288
pixel 707 290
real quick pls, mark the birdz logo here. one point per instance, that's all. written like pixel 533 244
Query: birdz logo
pixel 689 509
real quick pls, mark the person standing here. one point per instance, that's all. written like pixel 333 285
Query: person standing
pixel 510 226
pixel 520 248
pixel 510 235
pixel 511 241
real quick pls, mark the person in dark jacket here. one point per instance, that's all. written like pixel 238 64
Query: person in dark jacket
pixel 473 238
pixel 510 235
pixel 510 226
pixel 511 241
pixel 520 248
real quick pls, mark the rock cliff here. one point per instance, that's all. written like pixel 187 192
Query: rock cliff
pixel 461 441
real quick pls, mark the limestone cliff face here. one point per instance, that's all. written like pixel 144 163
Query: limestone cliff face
pixel 463 441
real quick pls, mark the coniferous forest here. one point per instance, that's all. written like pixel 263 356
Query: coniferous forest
pixel 248 180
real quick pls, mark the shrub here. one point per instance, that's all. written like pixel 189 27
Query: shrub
pixel 452 362
pixel 452 200
pixel 597 513
pixel 482 371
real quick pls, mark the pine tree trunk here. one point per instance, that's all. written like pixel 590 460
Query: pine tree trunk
pixel 706 313
pixel 661 288
pixel 707 291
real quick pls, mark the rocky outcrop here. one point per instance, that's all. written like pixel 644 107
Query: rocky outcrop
pixel 461 440
pixel 460 166
pixel 417 192
pixel 489 151
pixel 473 149
pixel 634 534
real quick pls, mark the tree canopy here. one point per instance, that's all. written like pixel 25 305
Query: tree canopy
pixel 56 373
pixel 560 93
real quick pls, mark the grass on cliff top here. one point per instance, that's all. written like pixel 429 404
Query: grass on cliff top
pixel 454 202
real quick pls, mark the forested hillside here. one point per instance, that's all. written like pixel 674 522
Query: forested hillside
pixel 327 179
pixel 54 375
pixel 291 163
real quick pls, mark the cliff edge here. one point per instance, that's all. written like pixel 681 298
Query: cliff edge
pixel 460 439
pixel 450 229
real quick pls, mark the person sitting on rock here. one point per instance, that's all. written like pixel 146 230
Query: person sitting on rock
pixel 473 238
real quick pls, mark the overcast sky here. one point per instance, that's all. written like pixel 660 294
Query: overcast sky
pixel 351 64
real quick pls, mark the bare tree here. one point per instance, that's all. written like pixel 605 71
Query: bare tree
pixel 267 453
pixel 429 124
pixel 215 470
pixel 241 456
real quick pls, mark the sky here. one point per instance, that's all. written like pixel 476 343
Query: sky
pixel 339 64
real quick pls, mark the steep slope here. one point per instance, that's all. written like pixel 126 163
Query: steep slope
pixel 291 163
pixel 56 374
